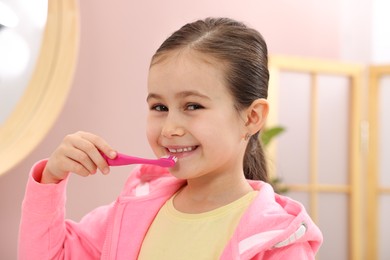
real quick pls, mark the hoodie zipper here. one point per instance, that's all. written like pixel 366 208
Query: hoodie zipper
pixel 113 229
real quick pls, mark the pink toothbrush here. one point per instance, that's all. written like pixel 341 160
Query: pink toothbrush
pixel 123 159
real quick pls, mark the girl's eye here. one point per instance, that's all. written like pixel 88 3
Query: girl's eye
pixel 160 108
pixel 194 106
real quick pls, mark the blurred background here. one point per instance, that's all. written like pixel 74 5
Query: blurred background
pixel 329 90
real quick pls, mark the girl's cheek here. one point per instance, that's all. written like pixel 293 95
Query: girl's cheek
pixel 152 131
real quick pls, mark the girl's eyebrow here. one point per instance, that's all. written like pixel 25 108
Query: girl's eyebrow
pixel 152 95
pixel 182 94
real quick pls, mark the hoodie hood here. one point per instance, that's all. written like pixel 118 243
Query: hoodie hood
pixel 274 221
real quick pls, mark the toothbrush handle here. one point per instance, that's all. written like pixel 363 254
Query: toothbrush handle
pixel 123 159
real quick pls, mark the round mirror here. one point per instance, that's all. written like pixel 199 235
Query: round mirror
pixel 33 85
pixel 22 24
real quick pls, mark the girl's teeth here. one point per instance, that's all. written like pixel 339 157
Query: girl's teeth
pixel 180 150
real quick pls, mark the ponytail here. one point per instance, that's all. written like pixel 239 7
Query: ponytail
pixel 255 167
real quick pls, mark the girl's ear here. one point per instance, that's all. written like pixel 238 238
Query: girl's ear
pixel 256 115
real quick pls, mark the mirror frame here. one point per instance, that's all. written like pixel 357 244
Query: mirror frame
pixel 44 97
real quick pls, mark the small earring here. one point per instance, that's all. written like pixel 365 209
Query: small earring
pixel 247 136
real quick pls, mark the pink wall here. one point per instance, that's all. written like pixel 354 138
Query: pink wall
pixel 108 94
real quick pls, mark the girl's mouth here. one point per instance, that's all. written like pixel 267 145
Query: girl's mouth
pixel 181 151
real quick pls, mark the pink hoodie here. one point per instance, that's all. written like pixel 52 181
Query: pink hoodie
pixel 273 227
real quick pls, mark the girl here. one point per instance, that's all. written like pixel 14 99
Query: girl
pixel 207 90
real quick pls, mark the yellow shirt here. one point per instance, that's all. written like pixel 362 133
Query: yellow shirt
pixel 176 235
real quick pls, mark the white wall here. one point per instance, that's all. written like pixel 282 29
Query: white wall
pixel 380 32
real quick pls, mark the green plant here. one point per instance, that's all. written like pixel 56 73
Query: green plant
pixel 269 133
pixel 266 137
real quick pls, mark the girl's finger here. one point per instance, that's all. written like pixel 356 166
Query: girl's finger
pixel 92 145
pixel 76 167
pixel 100 143
pixel 89 155
pixel 82 158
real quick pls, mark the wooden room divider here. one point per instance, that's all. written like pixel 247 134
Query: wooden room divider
pixel 375 188
pixel 352 189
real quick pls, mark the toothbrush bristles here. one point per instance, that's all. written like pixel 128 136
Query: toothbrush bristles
pixel 172 157
pixel 171 160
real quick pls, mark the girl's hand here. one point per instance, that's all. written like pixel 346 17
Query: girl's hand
pixel 78 153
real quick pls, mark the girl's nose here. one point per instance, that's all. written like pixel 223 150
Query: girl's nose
pixel 171 128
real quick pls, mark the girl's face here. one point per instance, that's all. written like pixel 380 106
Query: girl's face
pixel 192 116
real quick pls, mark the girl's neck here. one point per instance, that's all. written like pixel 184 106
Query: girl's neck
pixel 201 195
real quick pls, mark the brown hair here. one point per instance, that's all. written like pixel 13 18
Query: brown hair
pixel 244 51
